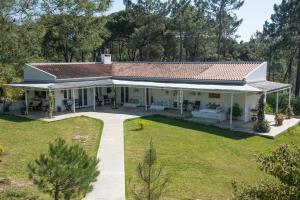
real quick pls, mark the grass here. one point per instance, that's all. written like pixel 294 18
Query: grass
pixel 23 140
pixel 202 161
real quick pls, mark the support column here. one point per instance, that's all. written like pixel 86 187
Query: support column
pixel 124 95
pixel 94 99
pixel 245 109
pixel 277 99
pixel 73 100
pixel 289 96
pixel 146 106
pixel 26 102
pixel 265 97
pixel 181 101
pixel 231 105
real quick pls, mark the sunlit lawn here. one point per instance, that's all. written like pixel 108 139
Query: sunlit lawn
pixel 23 140
pixel 202 161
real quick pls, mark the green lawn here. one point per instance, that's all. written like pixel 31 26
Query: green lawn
pixel 23 140
pixel 202 161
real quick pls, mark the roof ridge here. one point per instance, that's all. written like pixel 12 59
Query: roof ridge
pixel 196 62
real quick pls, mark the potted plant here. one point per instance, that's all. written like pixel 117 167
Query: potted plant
pixel 279 119
pixel 236 111
pixel 289 112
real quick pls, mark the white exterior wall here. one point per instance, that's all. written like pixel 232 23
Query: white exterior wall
pixel 259 74
pixel 251 102
pixel 137 93
pixel 34 74
pixel 59 97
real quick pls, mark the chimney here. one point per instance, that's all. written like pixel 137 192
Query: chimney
pixel 106 59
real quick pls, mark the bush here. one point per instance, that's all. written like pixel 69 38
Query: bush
pixel 296 105
pixel 283 103
pixel 236 110
pixel 262 126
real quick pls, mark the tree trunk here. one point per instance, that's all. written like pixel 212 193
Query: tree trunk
pixel 297 88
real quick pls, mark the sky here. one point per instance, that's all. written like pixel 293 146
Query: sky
pixel 254 14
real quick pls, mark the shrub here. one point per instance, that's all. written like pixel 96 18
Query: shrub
pixel 296 105
pixel 236 110
pixel 261 125
pixel 289 112
pixel 268 108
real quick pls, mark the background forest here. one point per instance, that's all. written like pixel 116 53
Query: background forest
pixel 147 30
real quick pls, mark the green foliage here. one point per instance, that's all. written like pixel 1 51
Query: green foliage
pixel 64 171
pixel 236 110
pixel 284 164
pixel 261 125
pixel 152 179
pixel 268 108
pixel 1 150
pixel 289 112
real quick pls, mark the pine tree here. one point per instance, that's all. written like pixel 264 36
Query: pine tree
pixel 65 171
pixel 152 179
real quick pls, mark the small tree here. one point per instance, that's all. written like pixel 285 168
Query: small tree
pixel 284 164
pixel 261 125
pixel 152 179
pixel 65 171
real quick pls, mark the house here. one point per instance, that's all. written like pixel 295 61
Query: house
pixel 205 89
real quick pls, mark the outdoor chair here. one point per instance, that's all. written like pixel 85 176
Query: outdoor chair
pixel 107 101
pixel 36 105
pixel 98 101
pixel 197 105
pixel 67 105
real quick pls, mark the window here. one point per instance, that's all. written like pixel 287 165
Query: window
pixel 214 95
pixel 67 94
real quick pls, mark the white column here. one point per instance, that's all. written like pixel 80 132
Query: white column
pixel 73 100
pixel 277 99
pixel 265 97
pixel 289 96
pixel 231 105
pixel 181 101
pixel 26 101
pixel 146 106
pixel 94 99
pixel 124 95
pixel 245 109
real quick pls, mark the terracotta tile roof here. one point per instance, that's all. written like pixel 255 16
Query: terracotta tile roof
pixel 193 71
pixel 234 71
pixel 65 71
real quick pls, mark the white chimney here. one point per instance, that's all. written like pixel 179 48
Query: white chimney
pixel 106 59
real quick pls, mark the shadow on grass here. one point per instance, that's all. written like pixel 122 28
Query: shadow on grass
pixel 236 135
pixel 13 118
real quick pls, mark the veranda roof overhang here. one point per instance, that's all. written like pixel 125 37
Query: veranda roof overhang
pixel 269 86
pixel 262 86
pixel 62 85
pixel 186 86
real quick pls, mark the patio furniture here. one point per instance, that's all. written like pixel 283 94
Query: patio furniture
pixel 106 99
pixel 157 107
pixel 68 104
pixel 207 113
pixel 197 105
pixel 99 101
pixel 36 104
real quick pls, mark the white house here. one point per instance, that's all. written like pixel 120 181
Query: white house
pixel 206 89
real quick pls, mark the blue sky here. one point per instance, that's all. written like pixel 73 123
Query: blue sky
pixel 254 14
